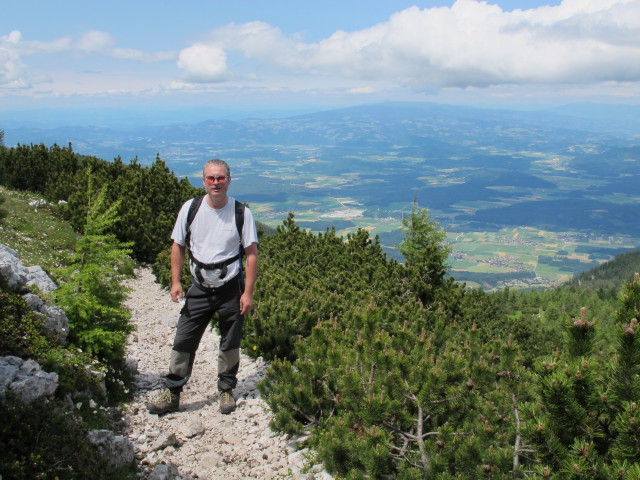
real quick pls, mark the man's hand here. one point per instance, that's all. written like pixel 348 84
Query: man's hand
pixel 246 303
pixel 246 300
pixel 177 260
pixel 176 292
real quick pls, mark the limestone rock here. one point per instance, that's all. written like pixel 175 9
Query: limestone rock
pixel 117 449
pixel 193 427
pixel 165 440
pixel 19 276
pixel 56 321
pixel 25 379
pixel 163 471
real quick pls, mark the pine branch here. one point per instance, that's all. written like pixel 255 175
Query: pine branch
pixel 410 437
pixel 311 420
pixel 516 446
pixel 371 374
pixel 335 398
pixel 423 454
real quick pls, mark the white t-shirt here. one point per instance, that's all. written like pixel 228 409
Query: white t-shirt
pixel 214 237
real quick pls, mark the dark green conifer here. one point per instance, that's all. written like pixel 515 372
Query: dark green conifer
pixel 425 252
pixel 585 425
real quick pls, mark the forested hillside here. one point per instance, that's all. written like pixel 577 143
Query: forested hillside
pixel 610 275
pixel 393 370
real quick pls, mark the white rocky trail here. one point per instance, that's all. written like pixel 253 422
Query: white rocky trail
pixel 198 441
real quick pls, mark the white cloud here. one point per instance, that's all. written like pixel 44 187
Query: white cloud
pixel 94 41
pixel 13 72
pixel 16 72
pixel 470 44
pixel 204 63
pixel 471 47
pixel 362 90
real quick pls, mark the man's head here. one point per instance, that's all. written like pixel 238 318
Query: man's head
pixel 216 177
pixel 217 162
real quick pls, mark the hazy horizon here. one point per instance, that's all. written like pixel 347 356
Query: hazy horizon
pixel 126 118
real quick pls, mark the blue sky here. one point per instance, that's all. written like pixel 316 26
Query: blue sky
pixel 290 55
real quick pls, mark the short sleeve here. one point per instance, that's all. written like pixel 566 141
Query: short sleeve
pixel 179 234
pixel 249 232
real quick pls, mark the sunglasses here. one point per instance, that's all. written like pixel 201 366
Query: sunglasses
pixel 211 179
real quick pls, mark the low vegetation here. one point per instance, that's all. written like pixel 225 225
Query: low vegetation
pixel 390 370
pixel 49 440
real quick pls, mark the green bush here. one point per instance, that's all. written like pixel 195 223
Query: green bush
pixel 586 423
pixel 92 294
pixel 21 331
pixel 381 395
pixel 306 278
pixel 42 440
pixel 3 212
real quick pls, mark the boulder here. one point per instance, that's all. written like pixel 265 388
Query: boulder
pixel 118 449
pixel 164 472
pixel 25 379
pixel 56 322
pixel 19 276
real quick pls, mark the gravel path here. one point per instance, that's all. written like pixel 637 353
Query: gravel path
pixel 198 441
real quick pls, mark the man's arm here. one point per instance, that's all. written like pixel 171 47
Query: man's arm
pixel 177 260
pixel 246 300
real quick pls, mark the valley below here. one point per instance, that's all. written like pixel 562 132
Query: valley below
pixel 528 199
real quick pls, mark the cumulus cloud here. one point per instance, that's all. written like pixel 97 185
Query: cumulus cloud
pixel 13 73
pixel 470 44
pixel 204 63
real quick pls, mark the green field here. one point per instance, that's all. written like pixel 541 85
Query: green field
pixel 519 256
pixel 508 251
pixel 520 249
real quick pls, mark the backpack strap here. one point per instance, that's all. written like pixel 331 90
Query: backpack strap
pixel 240 223
pixel 240 226
pixel 191 214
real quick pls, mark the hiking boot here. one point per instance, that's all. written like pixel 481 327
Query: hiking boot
pixel 227 402
pixel 166 402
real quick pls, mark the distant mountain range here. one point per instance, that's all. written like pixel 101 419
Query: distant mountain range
pixel 379 125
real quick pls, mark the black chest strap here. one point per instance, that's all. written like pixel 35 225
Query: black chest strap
pixel 222 266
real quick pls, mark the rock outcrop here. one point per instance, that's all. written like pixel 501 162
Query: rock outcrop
pixel 25 379
pixel 18 276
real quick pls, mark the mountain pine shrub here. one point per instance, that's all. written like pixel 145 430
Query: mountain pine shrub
pixel 307 278
pixel 585 425
pixel 387 381
pixel 381 398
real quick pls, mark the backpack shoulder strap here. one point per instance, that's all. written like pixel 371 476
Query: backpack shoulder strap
pixel 240 225
pixel 193 209
pixel 239 218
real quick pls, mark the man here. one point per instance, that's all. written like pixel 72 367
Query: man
pixel 216 267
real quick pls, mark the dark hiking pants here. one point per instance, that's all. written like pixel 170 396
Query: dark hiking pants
pixel 200 306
